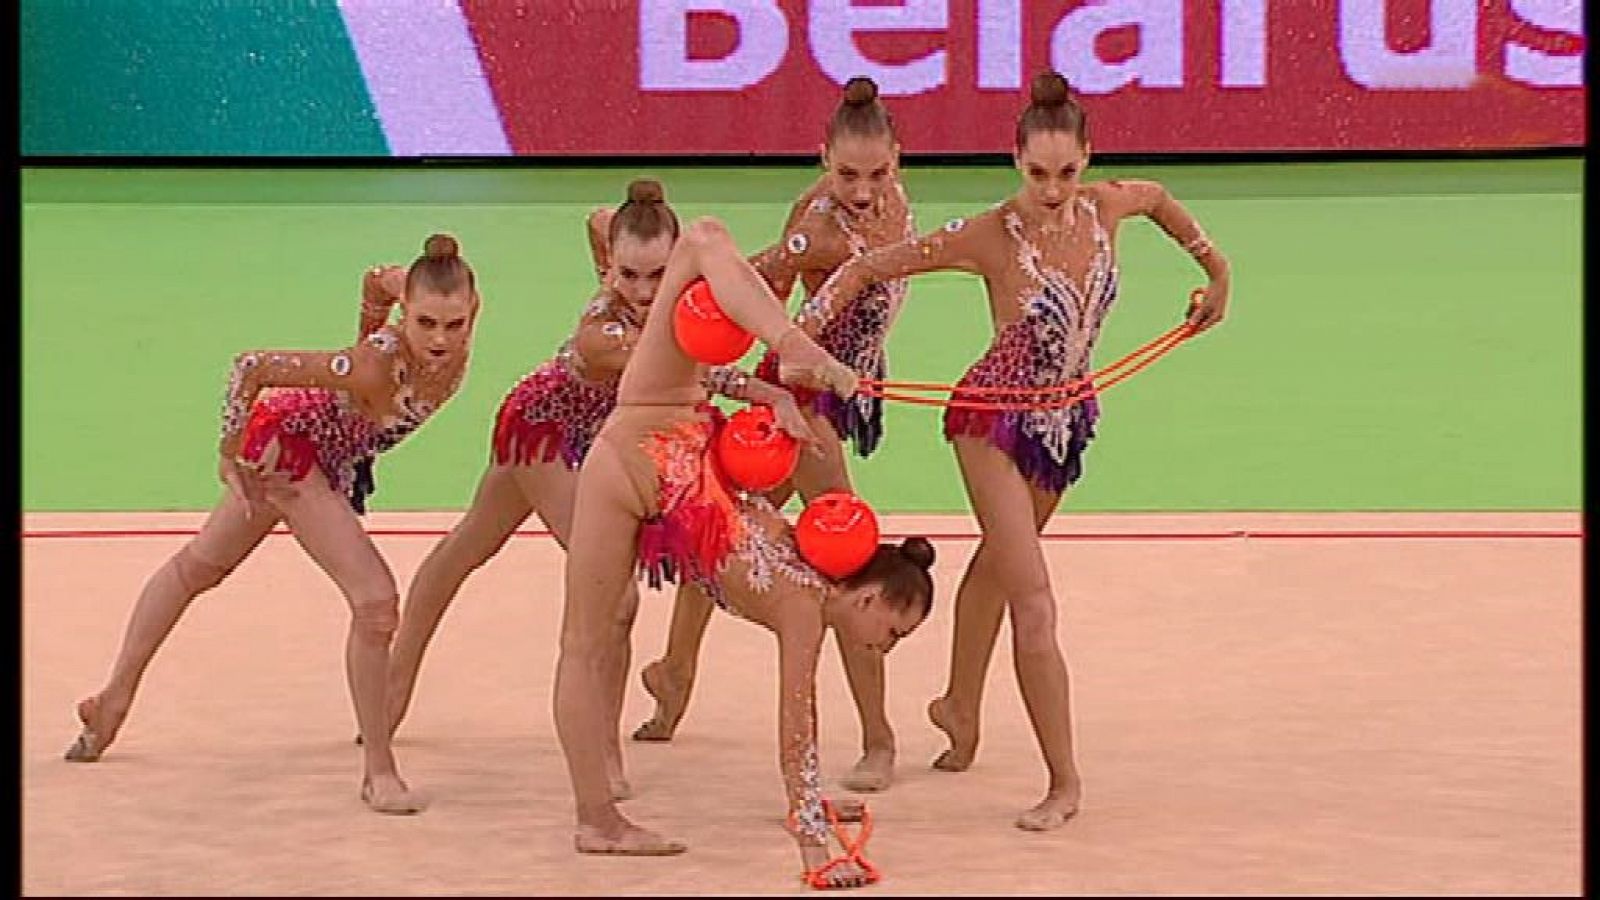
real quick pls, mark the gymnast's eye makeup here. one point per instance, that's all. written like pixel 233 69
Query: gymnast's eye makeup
pixel 427 321
pixel 456 324
pixel 628 273
pixel 880 173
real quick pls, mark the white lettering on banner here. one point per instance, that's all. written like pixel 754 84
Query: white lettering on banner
pixel 999 44
pixel 664 63
pixel 1244 43
pixel 833 27
pixel 1531 66
pixel 1449 60
pixel 1159 62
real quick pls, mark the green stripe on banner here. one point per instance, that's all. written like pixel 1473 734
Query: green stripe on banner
pixel 192 78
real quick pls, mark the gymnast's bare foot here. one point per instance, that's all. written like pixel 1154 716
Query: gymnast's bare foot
pixel 101 720
pixel 873 772
pixel 389 795
pixel 1053 811
pixel 962 732
pixel 672 696
pixel 624 838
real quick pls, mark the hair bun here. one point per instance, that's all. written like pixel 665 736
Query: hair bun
pixel 646 190
pixel 919 550
pixel 440 245
pixel 1049 89
pixel 860 91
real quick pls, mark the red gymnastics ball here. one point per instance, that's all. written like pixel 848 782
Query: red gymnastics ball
pixel 755 453
pixel 837 534
pixel 704 331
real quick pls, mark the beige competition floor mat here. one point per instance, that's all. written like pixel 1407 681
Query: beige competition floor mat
pixel 1264 704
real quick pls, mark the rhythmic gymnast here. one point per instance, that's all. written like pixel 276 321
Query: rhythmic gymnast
pixel 856 206
pixel 328 413
pixel 1047 259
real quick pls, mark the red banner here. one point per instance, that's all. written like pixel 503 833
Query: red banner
pixel 1156 76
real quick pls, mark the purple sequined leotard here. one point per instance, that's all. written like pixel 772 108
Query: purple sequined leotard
pixel 1050 345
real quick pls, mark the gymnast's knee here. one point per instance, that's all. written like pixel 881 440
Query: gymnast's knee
pixel 588 638
pixel 1033 620
pixel 197 575
pixel 376 613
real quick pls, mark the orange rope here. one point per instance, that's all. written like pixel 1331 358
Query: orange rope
pixel 853 850
pixel 1066 388
pixel 1072 392
pixel 1183 334
pixel 1075 391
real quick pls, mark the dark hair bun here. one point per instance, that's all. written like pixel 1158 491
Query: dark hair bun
pixel 440 245
pixel 1049 89
pixel 860 91
pixel 645 190
pixel 919 550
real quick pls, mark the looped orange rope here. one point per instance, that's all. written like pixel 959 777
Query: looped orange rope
pixel 818 877
pixel 1069 394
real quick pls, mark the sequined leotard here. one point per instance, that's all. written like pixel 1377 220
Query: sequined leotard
pixel 316 426
pixel 1049 345
pixel 856 336
pixel 1046 325
pixel 556 410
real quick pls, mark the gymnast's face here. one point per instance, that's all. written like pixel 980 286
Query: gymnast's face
pixel 860 169
pixel 637 266
pixel 866 617
pixel 437 326
pixel 1052 164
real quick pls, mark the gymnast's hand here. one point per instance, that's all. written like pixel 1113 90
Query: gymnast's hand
pixel 393 281
pixel 803 362
pixel 787 416
pixel 1208 305
pixel 243 483
pixel 837 872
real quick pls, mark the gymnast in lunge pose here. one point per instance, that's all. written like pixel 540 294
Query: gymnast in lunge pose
pixel 293 456
pixel 856 206
pixel 1047 259
pixel 546 425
